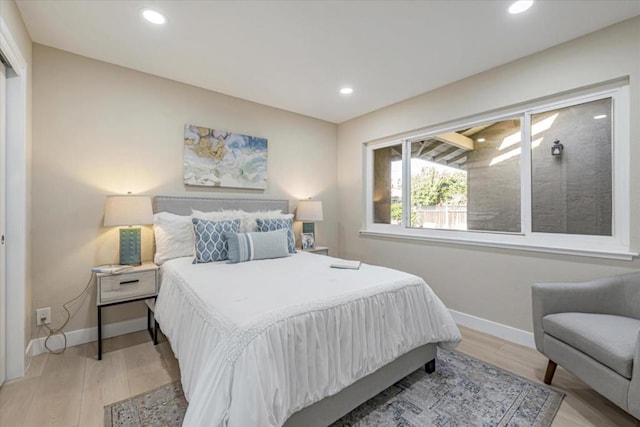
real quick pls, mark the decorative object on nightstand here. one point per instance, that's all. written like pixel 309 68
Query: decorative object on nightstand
pixel 308 212
pixel 135 284
pixel 128 210
pixel 308 241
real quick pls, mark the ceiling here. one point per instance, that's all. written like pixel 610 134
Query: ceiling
pixel 295 55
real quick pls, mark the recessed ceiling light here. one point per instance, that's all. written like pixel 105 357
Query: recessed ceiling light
pixel 154 17
pixel 520 6
pixel 480 140
pixel 600 116
pixel 346 90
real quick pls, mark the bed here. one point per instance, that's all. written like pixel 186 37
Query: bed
pixel 290 340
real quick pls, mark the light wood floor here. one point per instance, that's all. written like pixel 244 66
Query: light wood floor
pixel 72 389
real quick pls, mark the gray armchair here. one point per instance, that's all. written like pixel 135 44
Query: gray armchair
pixel 592 329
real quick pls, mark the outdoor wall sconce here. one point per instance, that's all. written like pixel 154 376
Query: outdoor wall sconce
pixel 556 149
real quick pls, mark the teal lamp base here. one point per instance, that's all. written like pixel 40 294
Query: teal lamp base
pixel 130 246
pixel 308 227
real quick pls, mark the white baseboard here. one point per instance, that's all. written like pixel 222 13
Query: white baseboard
pixel 505 332
pixel 27 357
pixel 83 336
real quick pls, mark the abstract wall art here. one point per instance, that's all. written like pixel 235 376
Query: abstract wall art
pixel 215 158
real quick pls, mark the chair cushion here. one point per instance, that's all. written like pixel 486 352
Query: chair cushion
pixel 611 340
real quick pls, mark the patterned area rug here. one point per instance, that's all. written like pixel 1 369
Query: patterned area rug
pixel 463 391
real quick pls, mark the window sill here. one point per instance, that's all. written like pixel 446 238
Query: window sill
pixel 618 254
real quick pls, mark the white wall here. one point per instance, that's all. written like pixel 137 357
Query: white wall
pixel 101 129
pixel 491 283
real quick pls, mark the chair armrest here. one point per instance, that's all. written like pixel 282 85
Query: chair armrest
pixel 597 296
pixel 633 400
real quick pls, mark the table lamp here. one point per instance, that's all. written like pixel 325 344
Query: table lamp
pixel 128 211
pixel 308 212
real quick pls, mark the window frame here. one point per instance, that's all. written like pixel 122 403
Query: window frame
pixel 616 246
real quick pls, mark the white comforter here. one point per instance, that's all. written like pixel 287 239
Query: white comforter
pixel 260 340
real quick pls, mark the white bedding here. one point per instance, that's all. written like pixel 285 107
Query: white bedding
pixel 260 340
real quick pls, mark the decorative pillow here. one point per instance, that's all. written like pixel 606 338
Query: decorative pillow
pixel 247 219
pixel 227 215
pixel 173 235
pixel 249 246
pixel 277 224
pixel 210 242
pixel 276 214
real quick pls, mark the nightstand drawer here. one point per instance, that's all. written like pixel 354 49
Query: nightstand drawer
pixel 126 286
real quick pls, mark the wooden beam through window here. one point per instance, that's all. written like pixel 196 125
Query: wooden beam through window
pixel 476 129
pixel 456 139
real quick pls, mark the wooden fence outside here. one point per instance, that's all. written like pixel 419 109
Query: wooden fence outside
pixel 446 217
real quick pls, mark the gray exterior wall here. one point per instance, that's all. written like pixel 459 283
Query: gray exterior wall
pixel 382 185
pixel 572 192
pixel 493 191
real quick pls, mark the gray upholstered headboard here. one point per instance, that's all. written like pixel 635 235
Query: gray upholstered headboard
pixel 183 205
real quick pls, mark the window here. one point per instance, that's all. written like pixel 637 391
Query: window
pixel 553 178
pixel 571 191
pixel 438 185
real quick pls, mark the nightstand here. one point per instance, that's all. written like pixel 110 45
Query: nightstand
pixel 320 250
pixel 136 284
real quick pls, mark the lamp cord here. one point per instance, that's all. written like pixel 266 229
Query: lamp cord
pixel 59 331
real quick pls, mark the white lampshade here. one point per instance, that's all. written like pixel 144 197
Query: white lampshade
pixel 127 210
pixel 309 210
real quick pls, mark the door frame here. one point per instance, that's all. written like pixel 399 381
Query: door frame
pixel 17 357
pixel 3 188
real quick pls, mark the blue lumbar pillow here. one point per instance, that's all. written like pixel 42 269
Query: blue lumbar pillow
pixel 251 246
pixel 277 224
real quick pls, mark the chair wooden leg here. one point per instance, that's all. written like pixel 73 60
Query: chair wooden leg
pixel 551 369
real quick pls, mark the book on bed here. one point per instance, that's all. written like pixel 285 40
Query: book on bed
pixel 350 265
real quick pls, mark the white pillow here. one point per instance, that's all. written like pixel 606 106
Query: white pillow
pixel 226 215
pixel 174 236
pixel 247 219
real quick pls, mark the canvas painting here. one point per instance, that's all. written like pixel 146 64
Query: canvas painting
pixel 215 158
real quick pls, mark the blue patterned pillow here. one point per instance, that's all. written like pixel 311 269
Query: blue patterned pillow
pixel 211 244
pixel 277 224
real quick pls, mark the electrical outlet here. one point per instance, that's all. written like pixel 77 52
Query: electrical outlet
pixel 43 315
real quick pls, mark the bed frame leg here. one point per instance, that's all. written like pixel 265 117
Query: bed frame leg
pixel 430 366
